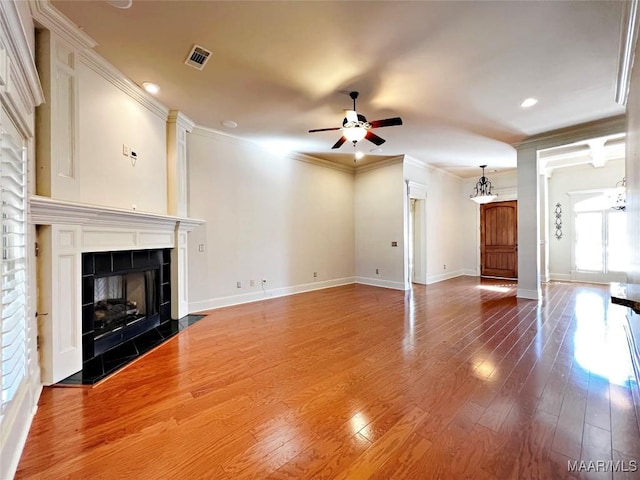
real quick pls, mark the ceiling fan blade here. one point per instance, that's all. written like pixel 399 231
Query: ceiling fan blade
pixel 339 143
pixel 351 116
pixel 387 122
pixel 373 138
pixel 324 129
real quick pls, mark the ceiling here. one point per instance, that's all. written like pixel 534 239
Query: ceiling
pixel 456 72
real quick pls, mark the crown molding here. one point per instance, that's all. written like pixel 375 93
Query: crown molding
pixel 220 135
pixel 414 162
pixel 50 17
pixel 48 211
pixel 575 133
pixel 235 140
pixel 181 120
pixel 628 40
pixel 18 49
pixel 381 164
pixel 110 73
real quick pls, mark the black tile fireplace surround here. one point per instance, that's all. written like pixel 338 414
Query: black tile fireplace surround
pixel 125 294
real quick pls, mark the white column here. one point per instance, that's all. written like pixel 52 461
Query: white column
pixel 60 301
pixel 58 145
pixel 179 274
pixel 528 224
pixel 545 215
pixel 177 191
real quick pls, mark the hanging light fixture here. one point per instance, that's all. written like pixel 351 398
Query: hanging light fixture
pixel 621 200
pixel 482 191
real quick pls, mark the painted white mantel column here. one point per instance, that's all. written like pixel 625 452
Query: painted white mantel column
pixel 528 224
pixel 178 125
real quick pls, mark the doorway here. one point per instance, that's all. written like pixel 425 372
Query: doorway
pixel 417 241
pixel 499 239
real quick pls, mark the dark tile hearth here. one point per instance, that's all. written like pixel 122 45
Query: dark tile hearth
pixel 100 367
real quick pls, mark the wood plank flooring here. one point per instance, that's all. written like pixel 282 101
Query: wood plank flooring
pixel 454 380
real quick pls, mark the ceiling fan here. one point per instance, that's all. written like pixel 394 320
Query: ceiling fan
pixel 355 126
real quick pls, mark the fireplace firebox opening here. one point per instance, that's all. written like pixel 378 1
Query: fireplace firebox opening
pixel 124 294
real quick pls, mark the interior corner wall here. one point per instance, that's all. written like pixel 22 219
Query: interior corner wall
pixel 379 221
pixel 444 224
pixel 267 217
pixel 560 184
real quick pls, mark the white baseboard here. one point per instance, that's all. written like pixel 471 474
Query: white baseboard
pixel 560 277
pixel 470 272
pixel 440 277
pixel 377 282
pixel 266 294
pixel 529 294
pixel 18 423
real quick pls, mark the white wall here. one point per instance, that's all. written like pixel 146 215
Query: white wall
pixel 380 220
pixel 562 182
pixel 109 118
pixel 268 217
pixel 445 222
pixel 505 185
pixel 91 112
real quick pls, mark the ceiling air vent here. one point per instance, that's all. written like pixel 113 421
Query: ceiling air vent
pixel 198 57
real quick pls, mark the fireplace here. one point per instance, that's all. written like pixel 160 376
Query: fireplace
pixel 124 294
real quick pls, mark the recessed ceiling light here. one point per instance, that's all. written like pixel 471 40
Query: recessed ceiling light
pixel 152 88
pixel 229 123
pixel 359 155
pixel 529 102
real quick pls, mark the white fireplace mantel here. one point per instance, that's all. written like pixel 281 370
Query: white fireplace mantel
pixel 47 211
pixel 67 230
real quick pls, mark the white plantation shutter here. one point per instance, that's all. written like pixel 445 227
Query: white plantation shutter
pixel 13 328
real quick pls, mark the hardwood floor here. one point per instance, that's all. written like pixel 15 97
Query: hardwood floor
pixel 455 380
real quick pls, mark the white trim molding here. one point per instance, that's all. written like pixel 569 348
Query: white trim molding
pixel 375 282
pixel 628 40
pixel 213 303
pixel 47 211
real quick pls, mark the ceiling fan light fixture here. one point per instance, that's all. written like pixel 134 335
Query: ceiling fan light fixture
pixel 354 134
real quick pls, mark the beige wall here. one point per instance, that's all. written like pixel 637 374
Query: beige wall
pixel 380 220
pixel 268 217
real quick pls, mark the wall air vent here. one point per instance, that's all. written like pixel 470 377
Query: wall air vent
pixel 198 57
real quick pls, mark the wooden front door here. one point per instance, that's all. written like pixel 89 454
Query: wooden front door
pixel 499 239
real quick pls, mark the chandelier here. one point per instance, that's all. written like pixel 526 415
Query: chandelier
pixel 482 191
pixel 621 200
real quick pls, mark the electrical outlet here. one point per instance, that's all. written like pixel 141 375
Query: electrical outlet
pixel 252 283
pixel 201 247
pixel 315 274
pixel 238 284
pixel 126 150
pixel 394 244
pixel 264 281
pixel 444 267
pixel 377 271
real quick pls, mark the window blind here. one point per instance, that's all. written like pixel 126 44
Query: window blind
pixel 13 334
